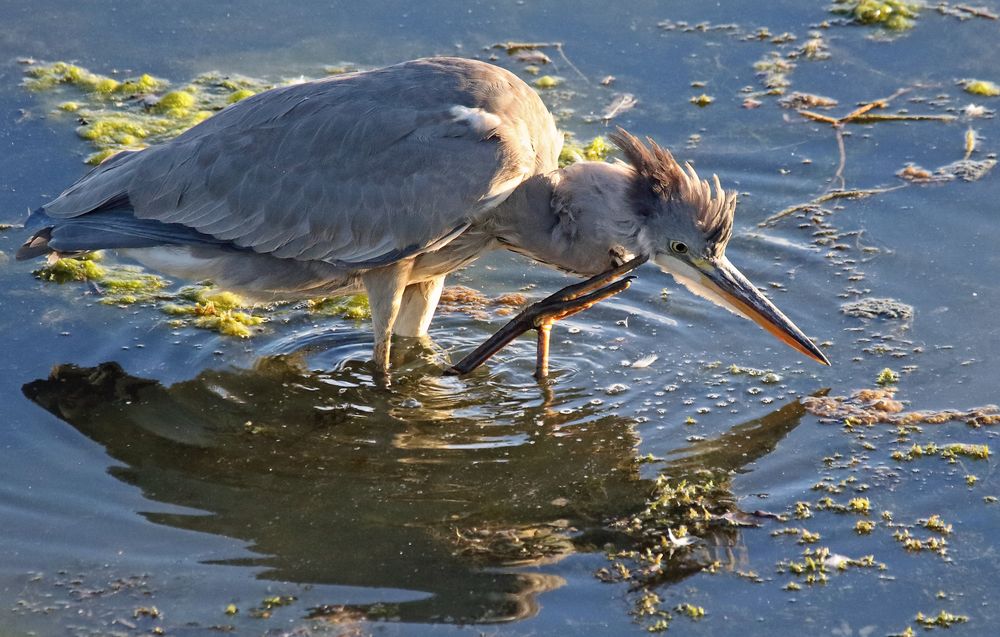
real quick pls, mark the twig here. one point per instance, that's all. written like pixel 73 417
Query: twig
pixel 830 196
pixel 877 117
pixel 979 12
pixel 514 47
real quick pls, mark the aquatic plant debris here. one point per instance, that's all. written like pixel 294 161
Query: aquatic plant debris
pixel 458 298
pixel 874 406
pixel 985 88
pixel 895 15
pixel 207 308
pixel 132 112
pixel 116 284
pixel 597 149
pixel 354 307
pixel 877 307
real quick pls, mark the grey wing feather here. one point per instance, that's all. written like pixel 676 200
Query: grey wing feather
pixel 359 170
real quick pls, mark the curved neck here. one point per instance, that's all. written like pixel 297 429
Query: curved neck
pixel 574 219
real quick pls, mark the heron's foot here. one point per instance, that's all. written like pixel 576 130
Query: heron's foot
pixel 541 315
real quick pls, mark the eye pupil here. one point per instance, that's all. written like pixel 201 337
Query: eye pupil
pixel 679 247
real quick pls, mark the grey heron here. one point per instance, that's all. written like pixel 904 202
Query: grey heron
pixel 384 181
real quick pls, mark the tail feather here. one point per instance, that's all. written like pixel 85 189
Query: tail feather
pixel 106 229
pixel 36 246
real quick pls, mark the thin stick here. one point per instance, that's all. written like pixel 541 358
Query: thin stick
pixel 514 47
pixel 979 12
pixel 815 203
pixel 843 162
pixel 878 117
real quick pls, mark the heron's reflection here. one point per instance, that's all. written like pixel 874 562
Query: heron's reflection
pixel 332 480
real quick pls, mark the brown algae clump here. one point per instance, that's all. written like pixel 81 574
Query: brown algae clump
pixel 458 298
pixel 895 15
pixel 872 406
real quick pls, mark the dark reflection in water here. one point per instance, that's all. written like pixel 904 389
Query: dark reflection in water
pixel 332 480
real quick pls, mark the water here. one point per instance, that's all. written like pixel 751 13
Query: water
pixel 143 466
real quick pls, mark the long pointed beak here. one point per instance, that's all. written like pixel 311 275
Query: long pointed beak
pixel 723 279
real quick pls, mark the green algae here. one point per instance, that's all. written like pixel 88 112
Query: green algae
pixel 944 619
pixel 211 309
pixel 197 306
pixel 950 452
pixel 175 103
pixel 597 149
pixel 887 377
pixel 894 15
pixel 72 269
pixel 981 87
pixel 43 77
pixel 116 284
pixel 354 307
pixel 132 113
pixel 546 82
pixel 702 100
pixel 240 94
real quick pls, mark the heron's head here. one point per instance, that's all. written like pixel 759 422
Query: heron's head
pixel 684 227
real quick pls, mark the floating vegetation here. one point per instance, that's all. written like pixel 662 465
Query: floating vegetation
pixel 773 69
pixel 797 100
pixel 458 298
pixel 702 100
pixel 597 149
pixel 874 307
pixel 816 564
pixel 895 15
pixel 268 604
pixel 963 169
pixel 354 307
pixel 546 82
pixel 981 87
pixel 887 377
pixel 949 451
pixel 511 546
pixel 211 309
pixel 943 619
pixel 116 284
pixel 132 113
pixel 872 406
pixel 916 545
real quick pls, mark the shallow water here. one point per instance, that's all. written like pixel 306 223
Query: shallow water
pixel 143 466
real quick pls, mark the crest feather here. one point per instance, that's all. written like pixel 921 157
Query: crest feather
pixel 657 174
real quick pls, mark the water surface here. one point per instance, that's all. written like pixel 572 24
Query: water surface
pixel 145 466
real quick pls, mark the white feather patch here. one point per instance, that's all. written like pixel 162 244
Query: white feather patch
pixel 482 122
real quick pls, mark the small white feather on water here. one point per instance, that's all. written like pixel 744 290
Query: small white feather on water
pixel 643 362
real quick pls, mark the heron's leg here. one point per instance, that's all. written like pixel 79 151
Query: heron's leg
pixel 541 315
pixel 417 307
pixel 385 293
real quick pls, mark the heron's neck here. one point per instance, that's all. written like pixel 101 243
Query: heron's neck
pixel 571 219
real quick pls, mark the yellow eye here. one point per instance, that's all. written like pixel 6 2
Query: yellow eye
pixel 678 247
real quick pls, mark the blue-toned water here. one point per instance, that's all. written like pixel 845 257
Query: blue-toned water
pixel 142 465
